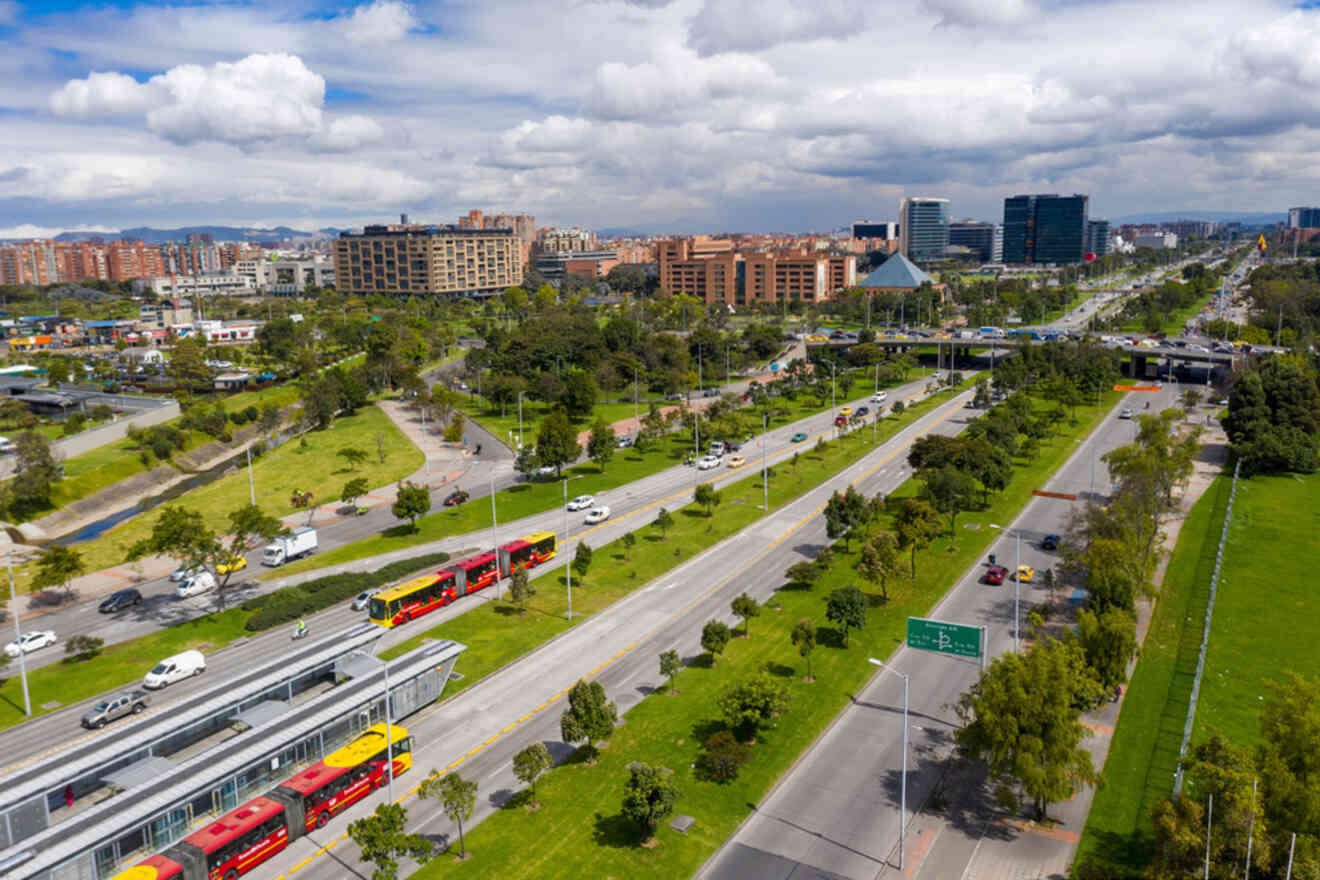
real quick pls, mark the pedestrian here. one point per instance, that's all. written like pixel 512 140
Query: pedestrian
pixel 68 795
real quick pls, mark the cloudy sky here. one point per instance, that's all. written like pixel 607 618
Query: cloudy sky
pixel 695 115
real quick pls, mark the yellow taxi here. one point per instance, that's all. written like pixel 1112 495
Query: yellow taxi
pixel 238 563
pixel 1025 574
pixel 845 410
pixel 737 461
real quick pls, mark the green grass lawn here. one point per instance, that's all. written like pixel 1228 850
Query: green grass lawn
pixel 580 823
pixel 527 499
pixel 316 468
pixel 1177 320
pixel 1144 753
pixel 1266 621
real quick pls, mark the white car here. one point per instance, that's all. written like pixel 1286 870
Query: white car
pixel 707 462
pixel 597 515
pixel 360 603
pixel 30 642
pixel 183 572
pixel 880 397
pixel 582 502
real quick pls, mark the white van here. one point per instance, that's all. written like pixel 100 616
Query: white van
pixel 202 582
pixel 175 668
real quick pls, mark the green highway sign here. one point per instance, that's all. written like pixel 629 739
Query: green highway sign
pixel 957 639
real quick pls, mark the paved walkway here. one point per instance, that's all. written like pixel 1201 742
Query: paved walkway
pixel 974 840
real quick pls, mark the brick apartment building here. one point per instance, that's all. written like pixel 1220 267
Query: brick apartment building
pixel 714 270
pixel 407 260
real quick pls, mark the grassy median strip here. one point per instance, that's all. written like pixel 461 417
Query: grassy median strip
pixel 1144 753
pixel 528 499
pixel 580 828
pixel 496 636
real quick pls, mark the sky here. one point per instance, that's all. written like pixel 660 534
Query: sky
pixel 655 115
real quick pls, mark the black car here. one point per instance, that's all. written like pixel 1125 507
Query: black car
pixel 1051 542
pixel 861 411
pixel 119 600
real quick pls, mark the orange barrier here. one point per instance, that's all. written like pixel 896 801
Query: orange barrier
pixel 1066 496
pixel 1136 388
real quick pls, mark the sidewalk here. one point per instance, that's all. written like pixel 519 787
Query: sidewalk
pixel 972 839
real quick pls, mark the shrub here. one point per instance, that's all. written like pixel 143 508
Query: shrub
pixel 290 603
pixel 238 417
pixel 80 648
pixel 252 413
pixel 723 757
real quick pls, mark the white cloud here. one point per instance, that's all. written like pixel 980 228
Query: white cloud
pixel 350 132
pixel 979 13
pixel 749 25
pixel 676 79
pixel 384 21
pixel 104 94
pixel 29 230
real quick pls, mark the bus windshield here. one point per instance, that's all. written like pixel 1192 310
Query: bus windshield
pixel 376 609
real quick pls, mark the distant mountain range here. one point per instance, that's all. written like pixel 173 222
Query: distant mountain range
pixel 151 235
pixel 1246 218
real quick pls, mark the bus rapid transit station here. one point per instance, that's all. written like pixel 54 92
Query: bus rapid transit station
pixel 36 796
pixel 174 799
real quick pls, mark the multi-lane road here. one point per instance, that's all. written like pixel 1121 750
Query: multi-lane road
pixel 836 814
pixel 633 505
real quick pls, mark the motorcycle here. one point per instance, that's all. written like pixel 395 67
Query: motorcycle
pixel 300 633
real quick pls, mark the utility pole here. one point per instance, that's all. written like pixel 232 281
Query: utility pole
pixel 18 637
pixel 902 802
pixel 765 479
pixel 568 563
pixel 252 487
pixel 493 525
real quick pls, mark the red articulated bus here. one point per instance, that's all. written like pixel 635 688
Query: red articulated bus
pixel 475 572
pixel 228 847
pixel 526 552
pixel 418 596
pixel 345 777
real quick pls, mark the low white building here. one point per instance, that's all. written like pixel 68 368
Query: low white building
pixel 288 276
pixel 1167 240
pixel 222 284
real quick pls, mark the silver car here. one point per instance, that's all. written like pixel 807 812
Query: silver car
pixel 117 706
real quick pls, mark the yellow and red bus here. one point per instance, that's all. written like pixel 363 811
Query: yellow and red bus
pixel 245 837
pixel 418 596
pixel 528 551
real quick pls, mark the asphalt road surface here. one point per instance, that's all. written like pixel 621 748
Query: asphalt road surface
pixel 837 813
pixel 632 505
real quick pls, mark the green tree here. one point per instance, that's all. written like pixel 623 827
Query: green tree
pixel 917 524
pixel 582 561
pixel 670 665
pixel 352 456
pixel 57 567
pixel 556 440
pixel 520 588
pixel 750 705
pixel 745 606
pixel 707 497
pixel 663 520
pixel 411 502
pixel 81 648
pixel 1022 718
pixel 629 540
pixel 723 756
pixel 600 445
pixel 1274 417
pixel 847 608
pixel 844 513
pixel 187 364
pixel 529 764
pixel 579 394
pixel 714 638
pixel 648 797
pixel 590 717
pixel 805 573
pixel 35 474
pixel 353 490
pixel 880 561
pixel 949 490
pixel 1287 765
pixel 383 840
pixel 1108 640
pixel 457 796
pixel 804 637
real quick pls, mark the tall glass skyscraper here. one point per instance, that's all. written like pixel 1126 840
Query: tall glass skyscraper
pixel 1045 228
pixel 923 229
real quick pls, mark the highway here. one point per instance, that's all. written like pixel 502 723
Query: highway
pixel 836 814
pixel 480 729
pixel 633 506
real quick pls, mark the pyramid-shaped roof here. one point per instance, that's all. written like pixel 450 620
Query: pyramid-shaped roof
pixel 897 271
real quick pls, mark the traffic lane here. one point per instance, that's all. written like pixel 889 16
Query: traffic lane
pixel 451 734
pixel 824 814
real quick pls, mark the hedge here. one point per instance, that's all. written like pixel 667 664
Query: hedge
pixel 290 603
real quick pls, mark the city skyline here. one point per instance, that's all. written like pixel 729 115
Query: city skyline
pixel 664 117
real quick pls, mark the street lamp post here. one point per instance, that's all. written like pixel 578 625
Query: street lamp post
pixel 568 563
pixel 385 712
pixel 1017 585
pixel 520 433
pixel 493 525
pixel 18 635
pixel 902 786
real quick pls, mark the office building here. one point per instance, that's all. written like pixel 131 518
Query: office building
pixel 194 286
pixel 1157 240
pixel 1304 218
pixel 427 260
pixel 288 276
pixel 979 238
pixel 1045 229
pixel 997 248
pixel 713 271
pixel 1097 237
pixel 871 229
pixel 923 229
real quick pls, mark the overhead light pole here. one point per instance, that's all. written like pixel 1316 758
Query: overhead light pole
pixel 902 785
pixel 18 635
pixel 1017 586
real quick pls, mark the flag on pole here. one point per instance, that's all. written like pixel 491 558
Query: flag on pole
pixel 1260 245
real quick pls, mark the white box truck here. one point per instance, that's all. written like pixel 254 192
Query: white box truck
pixel 286 548
pixel 195 585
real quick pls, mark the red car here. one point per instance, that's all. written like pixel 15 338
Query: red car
pixel 995 575
pixel 840 421
pixel 458 496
